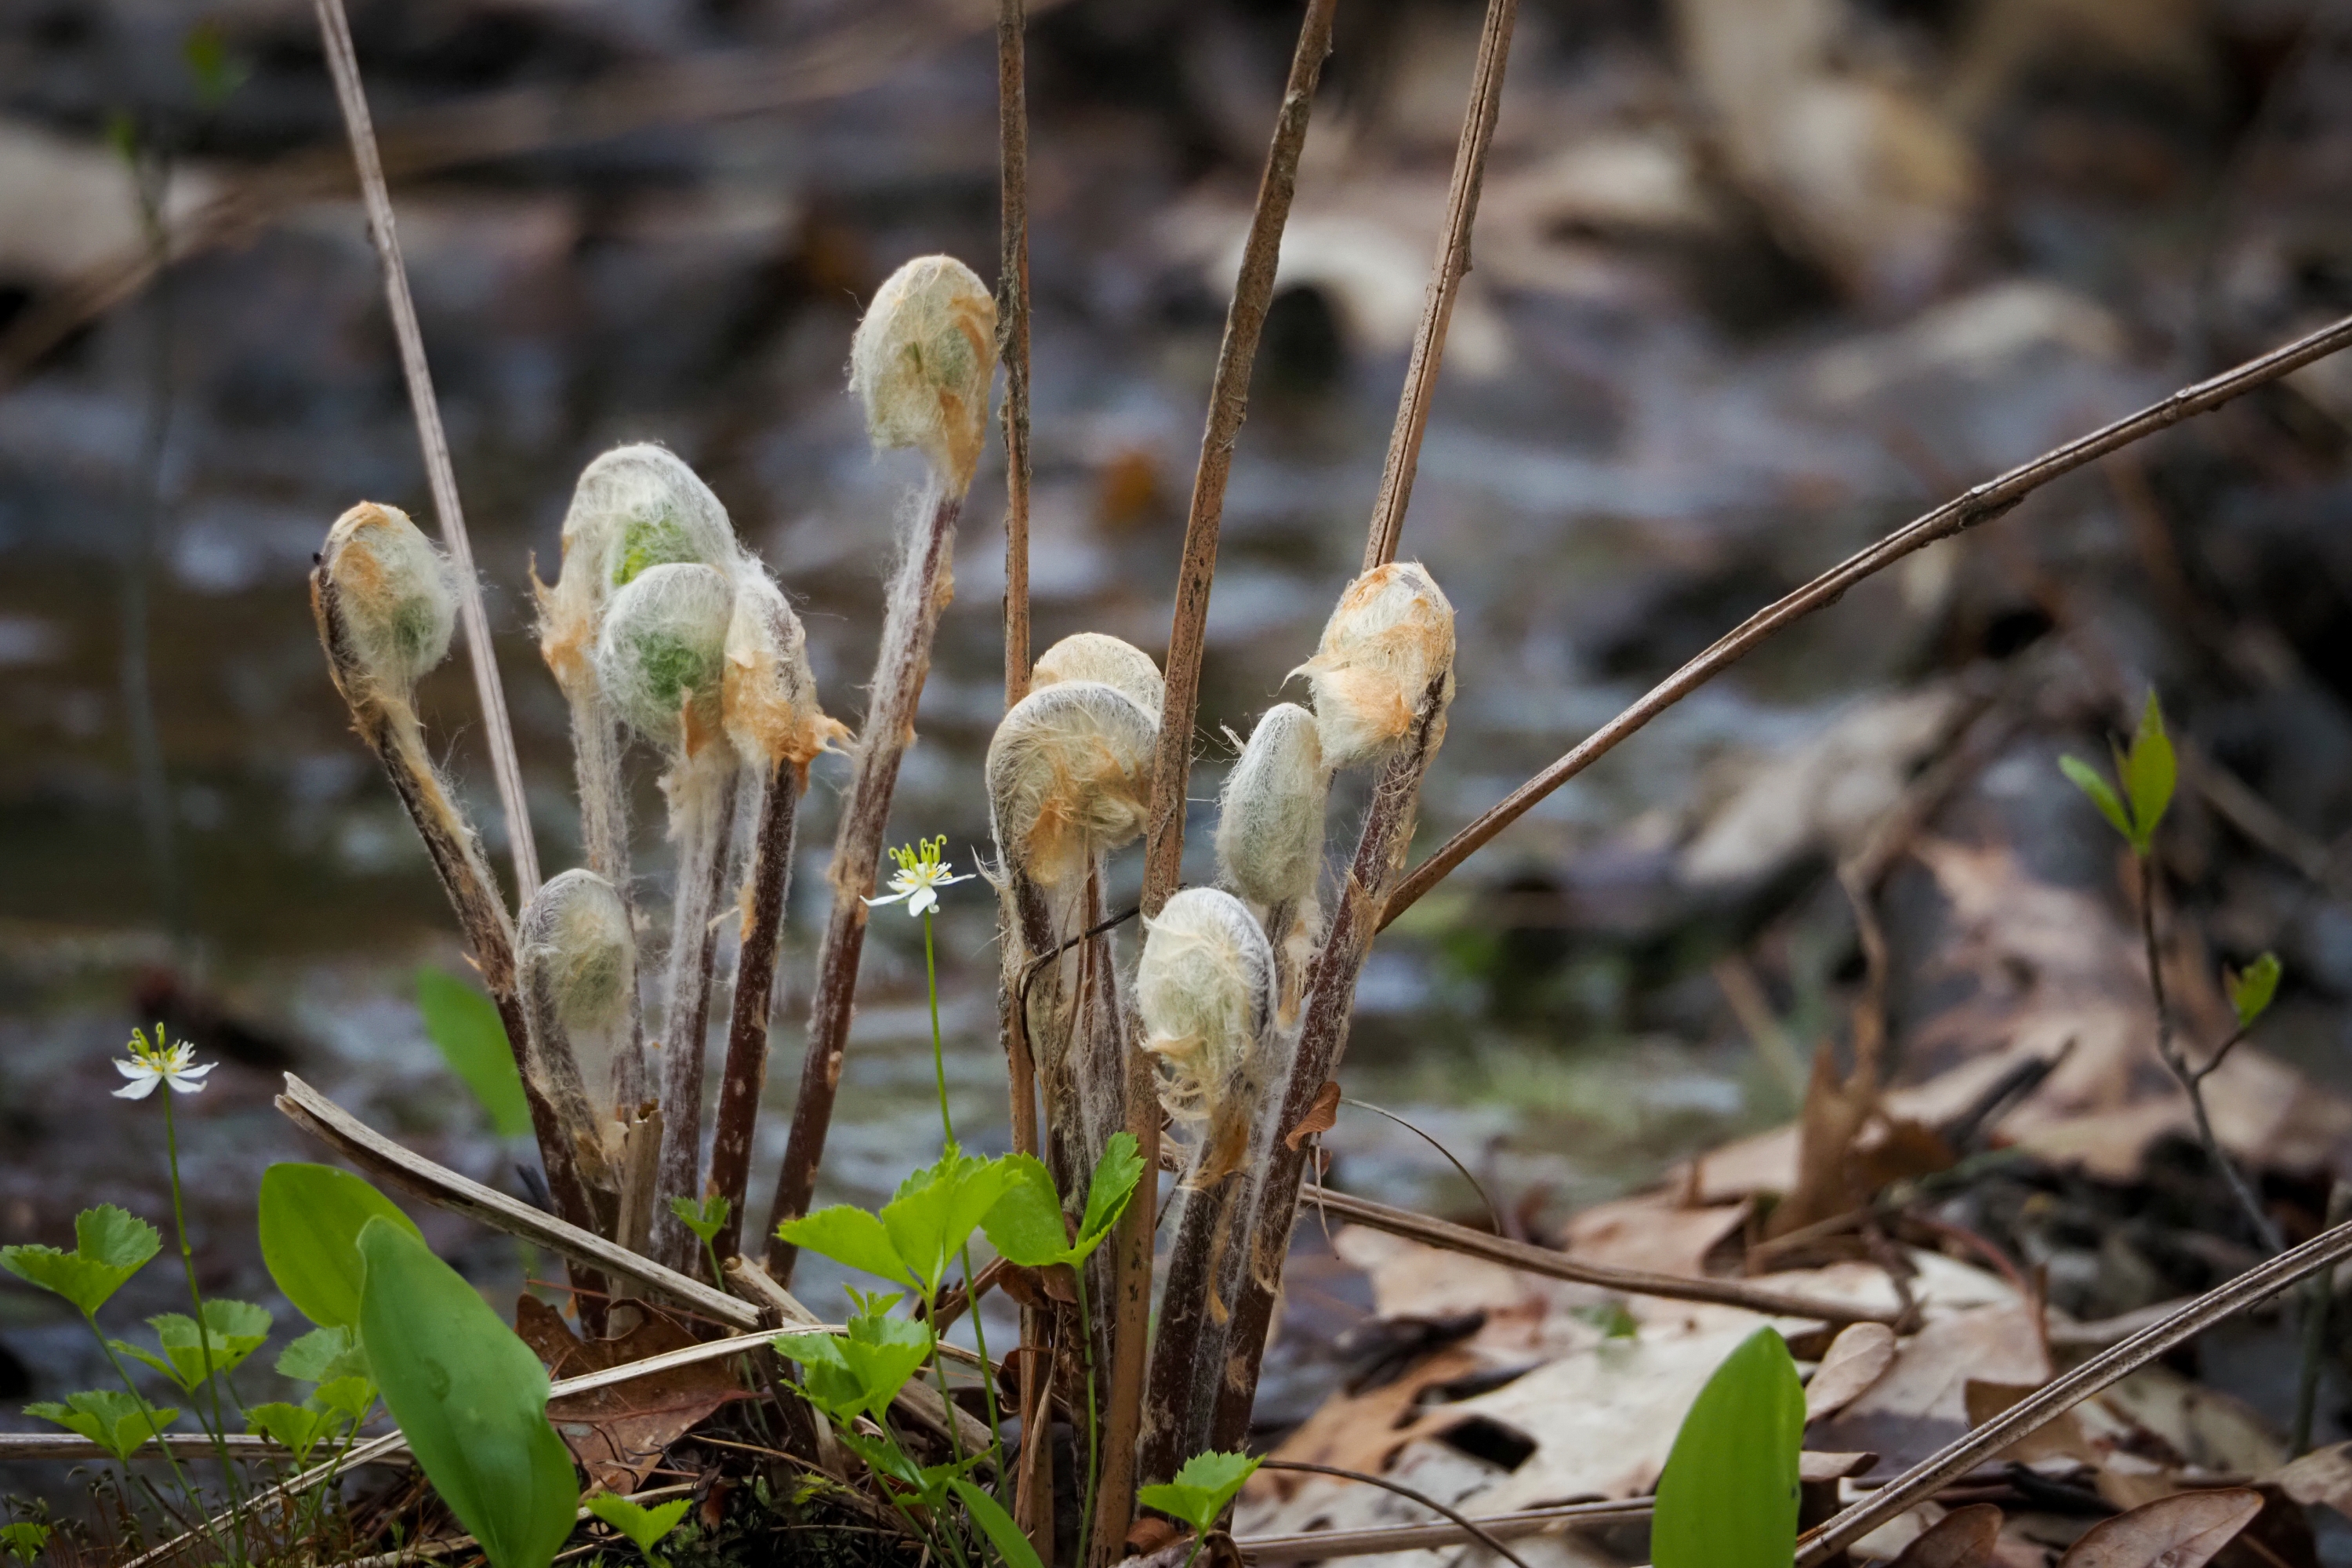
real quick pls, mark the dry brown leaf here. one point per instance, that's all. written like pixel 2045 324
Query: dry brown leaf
pixel 1857 1358
pixel 1321 1117
pixel 1652 1231
pixel 2061 1438
pixel 1963 1538
pixel 1836 1110
pixel 1920 1404
pixel 618 1434
pixel 2184 1530
pixel 2322 1476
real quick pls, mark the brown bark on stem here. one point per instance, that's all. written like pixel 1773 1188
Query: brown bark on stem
pixel 746 1072
pixel 709 824
pixel 1013 334
pixel 918 592
pixel 1322 1038
pixel 1445 284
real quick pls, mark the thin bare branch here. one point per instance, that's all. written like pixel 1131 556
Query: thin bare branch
pixel 1445 284
pixel 1980 504
pixel 917 594
pixel 1318 1544
pixel 335 29
pixel 2053 1399
pixel 1012 332
pixel 1530 1258
pixel 1228 403
pixel 746 1071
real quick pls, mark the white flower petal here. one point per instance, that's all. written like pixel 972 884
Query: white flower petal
pixel 140 1090
pixel 894 898
pixel 133 1069
pixel 186 1083
pixel 923 903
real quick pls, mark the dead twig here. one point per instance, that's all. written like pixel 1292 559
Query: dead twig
pixel 1314 1545
pixel 1445 284
pixel 1012 331
pixel 335 30
pixel 1979 505
pixel 2053 1399
pixel 1529 1258
pixel 1477 1530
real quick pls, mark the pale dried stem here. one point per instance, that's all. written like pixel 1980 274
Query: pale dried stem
pixel 2054 1398
pixel 918 592
pixel 390 729
pixel 1979 505
pixel 1228 402
pixel 1022 938
pixel 746 1073
pixel 335 29
pixel 1322 1037
pixel 1445 284
pixel 1012 332
pixel 705 814
pixel 1314 1545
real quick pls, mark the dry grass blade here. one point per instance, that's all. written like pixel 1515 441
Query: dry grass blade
pixel 1980 504
pixel 1316 1545
pixel 444 1188
pixel 1445 284
pixel 1529 1258
pixel 1477 1532
pixel 2055 1398
pixel 335 29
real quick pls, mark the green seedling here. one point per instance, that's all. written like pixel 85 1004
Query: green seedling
pixel 644 1526
pixel 1729 1496
pixel 117 1423
pixel 1200 1493
pixel 2146 771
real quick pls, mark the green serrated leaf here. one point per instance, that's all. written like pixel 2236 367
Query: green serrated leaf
pixel 997 1525
pixel 1729 1496
pixel 2149 772
pixel 1202 1488
pixel 111 1244
pixel 296 1426
pixel 322 1354
pixel 311 1221
pixel 1116 1175
pixel 115 1422
pixel 937 1209
pixel 237 1330
pixel 860 1373
pixel 2103 795
pixel 2251 989
pixel 470 1397
pixel 848 1235
pixel 24 1540
pixel 464 1027
pixel 1027 1226
pixel 644 1526
pixel 349 1397
pixel 704 1218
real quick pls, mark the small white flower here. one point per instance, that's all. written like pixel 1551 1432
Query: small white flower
pixel 160 1063
pixel 920 874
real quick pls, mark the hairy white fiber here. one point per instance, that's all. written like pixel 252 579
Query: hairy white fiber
pixel 1097 656
pixel 1069 776
pixel 575 942
pixel 397 593
pixel 1204 989
pixel 660 653
pixel 767 692
pixel 922 361
pixel 634 507
pixel 1390 638
pixel 1270 823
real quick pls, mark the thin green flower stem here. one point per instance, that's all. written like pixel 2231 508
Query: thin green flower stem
pixel 932 1539
pixel 317 1509
pixel 718 1274
pixel 1094 1442
pixel 203 1330
pixel 987 1370
pixel 939 1051
pixel 179 1477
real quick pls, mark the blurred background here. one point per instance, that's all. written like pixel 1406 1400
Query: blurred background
pixel 1756 281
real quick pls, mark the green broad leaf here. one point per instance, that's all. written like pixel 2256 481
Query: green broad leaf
pixel 310 1220
pixel 2103 795
pixel 465 1026
pixel 2148 771
pixel 295 1426
pixel 1027 1226
pixel 1115 1179
pixel 937 1209
pixel 997 1525
pixel 322 1354
pixel 704 1218
pixel 1200 1491
pixel 2252 988
pixel 470 1397
pixel 111 1244
pixel 24 1540
pixel 1729 1496
pixel 826 1376
pixel 115 1422
pixel 848 1235
pixel 644 1526
pixel 860 1373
